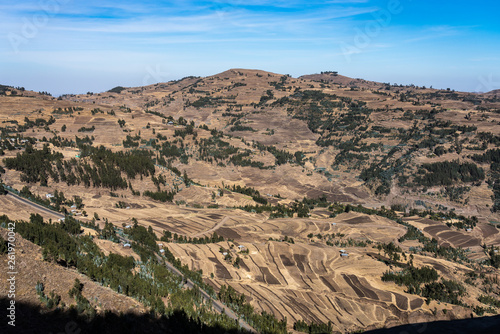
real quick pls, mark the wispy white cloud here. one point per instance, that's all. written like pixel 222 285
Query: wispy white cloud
pixel 142 25
pixel 436 32
pixel 235 23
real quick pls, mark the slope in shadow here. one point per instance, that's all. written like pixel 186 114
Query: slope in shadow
pixel 33 319
pixel 483 325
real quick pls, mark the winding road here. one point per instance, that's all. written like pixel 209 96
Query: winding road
pixel 218 306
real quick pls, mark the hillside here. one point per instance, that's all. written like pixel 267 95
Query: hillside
pixel 32 269
pixel 261 184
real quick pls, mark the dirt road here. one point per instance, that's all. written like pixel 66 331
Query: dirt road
pixel 213 229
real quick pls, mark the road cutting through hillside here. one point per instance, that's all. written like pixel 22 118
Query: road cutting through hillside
pixel 38 207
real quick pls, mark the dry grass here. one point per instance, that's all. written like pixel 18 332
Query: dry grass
pixel 32 269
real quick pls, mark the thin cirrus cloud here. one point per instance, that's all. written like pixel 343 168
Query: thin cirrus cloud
pixel 143 25
pixel 301 36
pixel 200 22
pixel 235 23
pixel 439 32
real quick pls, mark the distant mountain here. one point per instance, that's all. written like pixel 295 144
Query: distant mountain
pixel 493 92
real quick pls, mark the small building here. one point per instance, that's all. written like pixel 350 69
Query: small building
pixel 170 123
pixel 49 196
pixel 241 247
pixel 127 245
pixel 128 226
pixel 334 224
pixel 225 253
pixel 342 251
pixel 469 230
pixel 162 251
pixel 344 255
pixel 61 219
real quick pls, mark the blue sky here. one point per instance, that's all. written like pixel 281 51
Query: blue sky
pixel 68 46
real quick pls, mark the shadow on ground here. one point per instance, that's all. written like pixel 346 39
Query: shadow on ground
pixel 483 325
pixel 34 319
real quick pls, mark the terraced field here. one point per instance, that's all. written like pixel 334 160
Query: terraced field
pixel 308 279
pixel 447 236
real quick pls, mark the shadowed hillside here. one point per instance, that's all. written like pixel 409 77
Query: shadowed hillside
pixel 35 319
pixel 486 325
